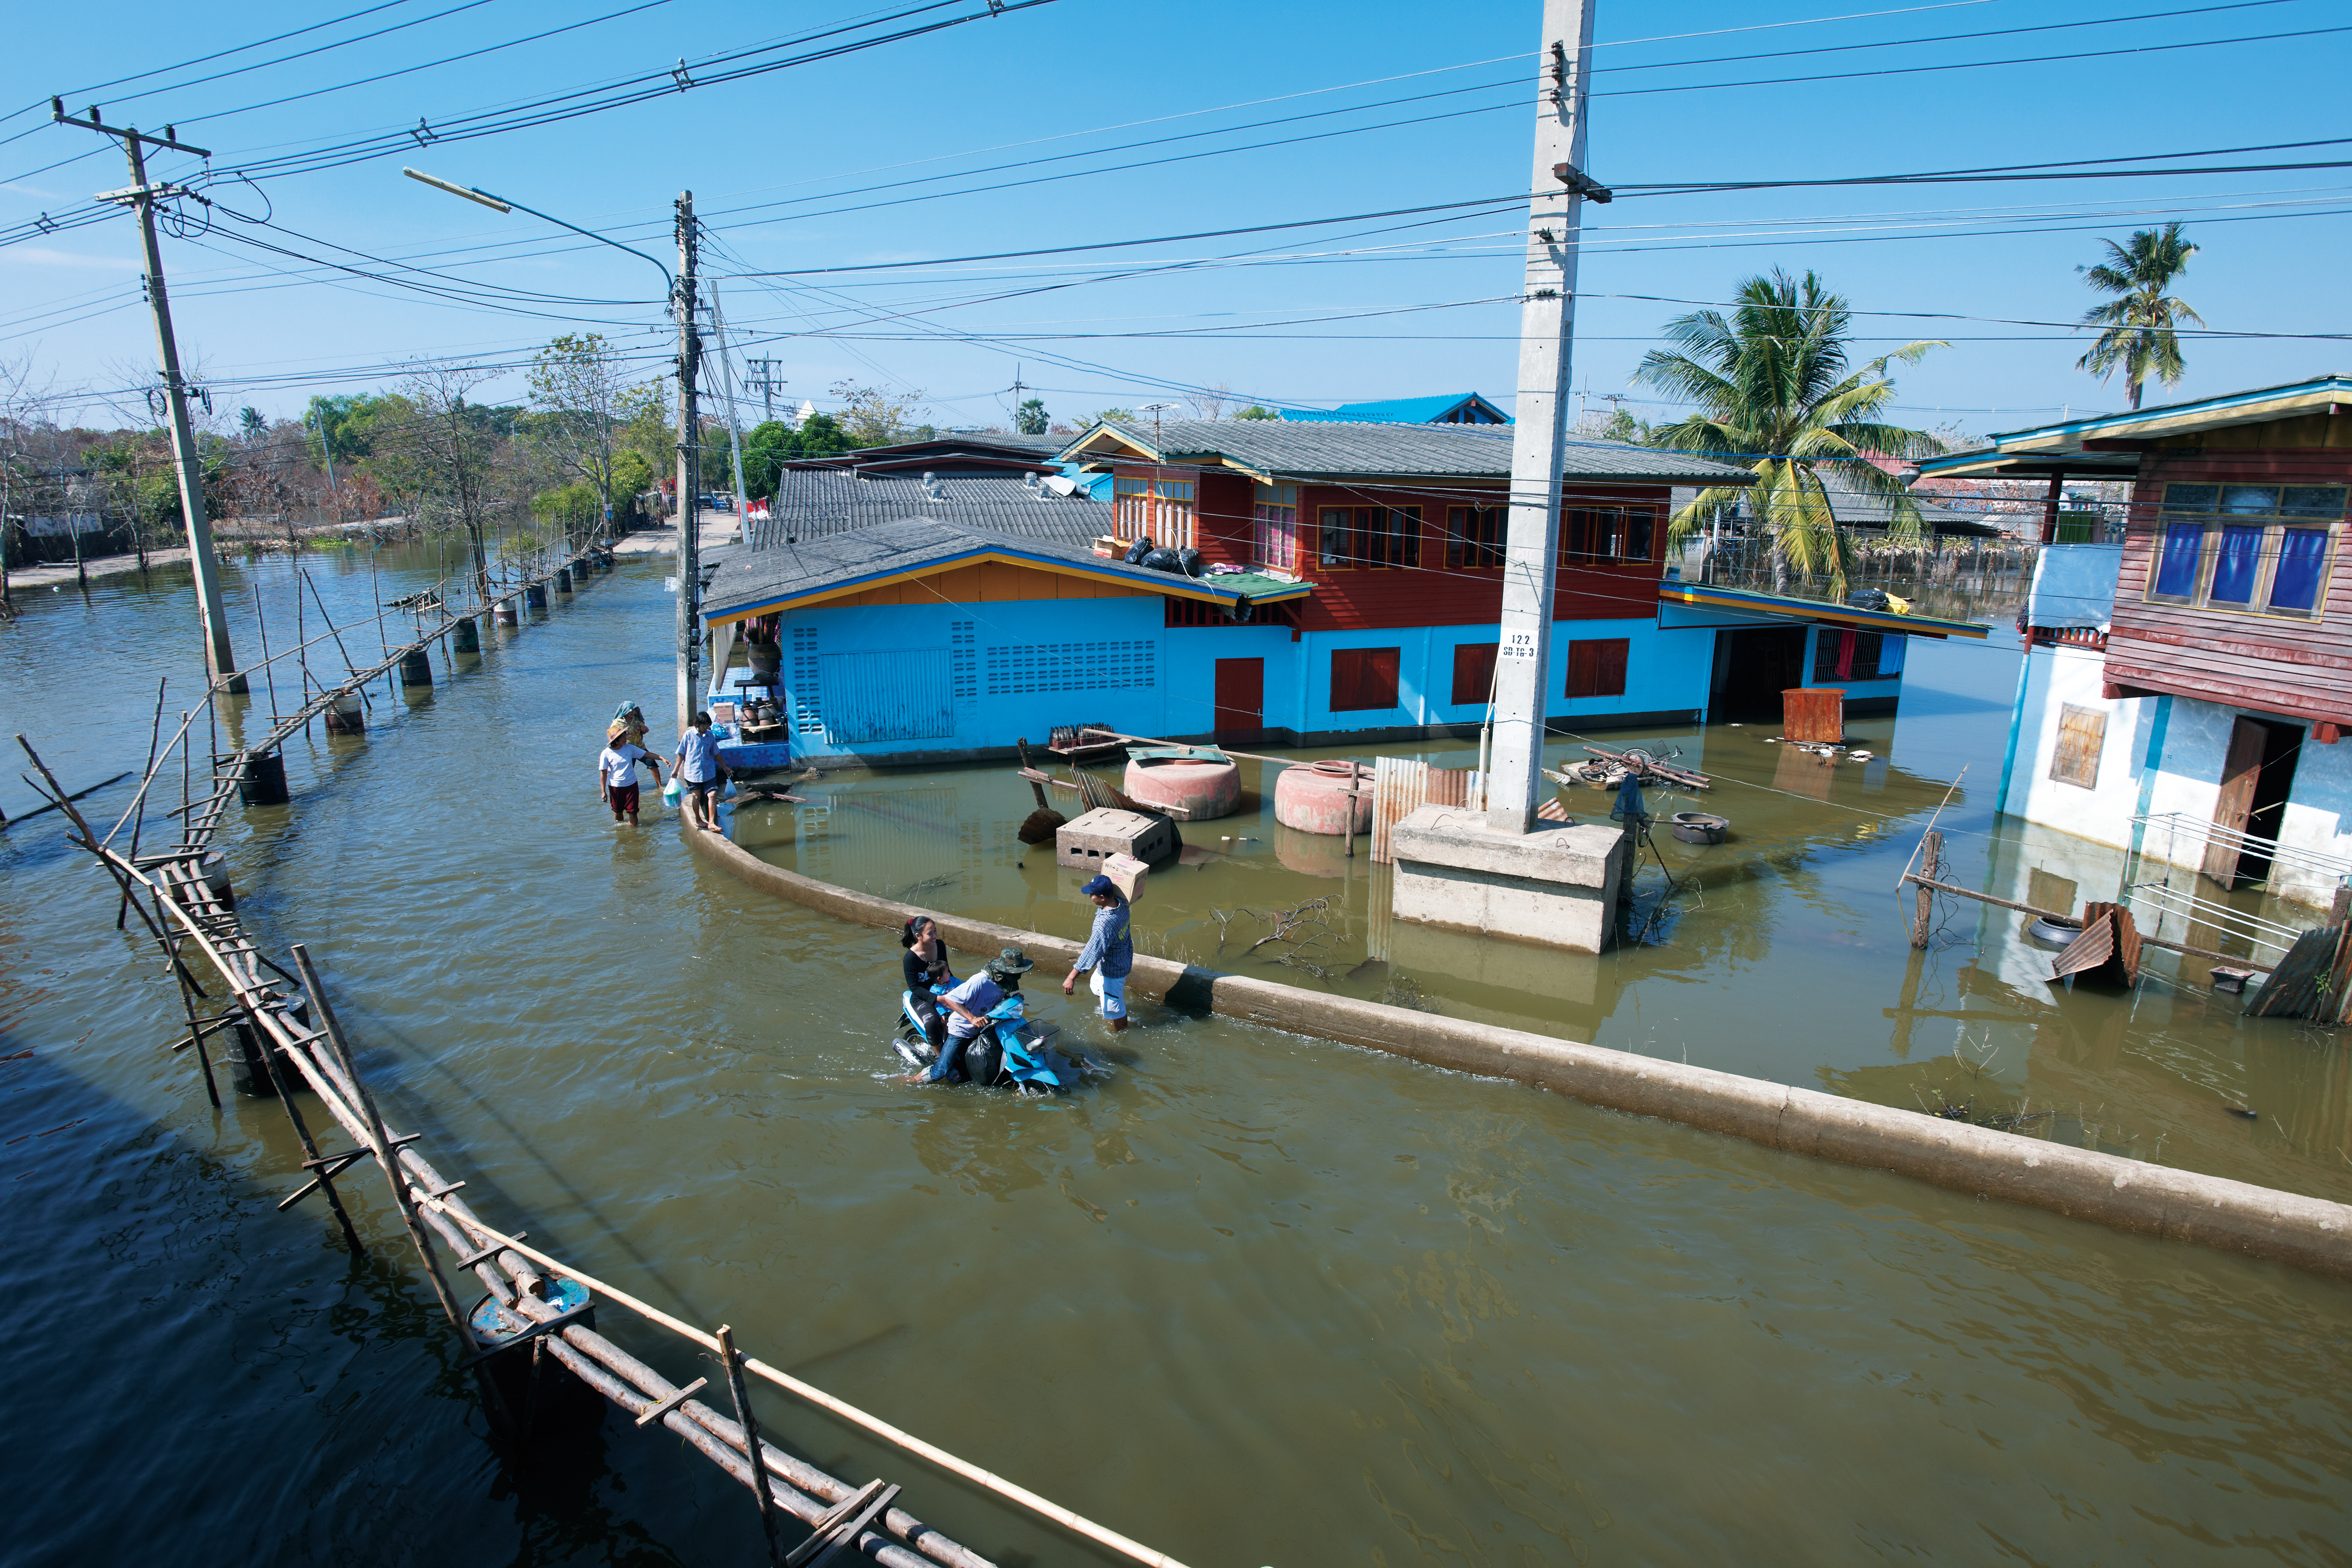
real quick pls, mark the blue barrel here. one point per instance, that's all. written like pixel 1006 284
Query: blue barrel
pixel 535 596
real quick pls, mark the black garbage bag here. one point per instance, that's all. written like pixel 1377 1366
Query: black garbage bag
pixel 1867 599
pixel 1189 561
pixel 1162 560
pixel 1137 551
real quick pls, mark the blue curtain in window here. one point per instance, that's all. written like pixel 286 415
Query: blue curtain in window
pixel 2234 568
pixel 2302 557
pixel 2176 573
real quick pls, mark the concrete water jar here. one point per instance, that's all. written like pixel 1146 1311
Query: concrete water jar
pixel 1313 797
pixel 1206 784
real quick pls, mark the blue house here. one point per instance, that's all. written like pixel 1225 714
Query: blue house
pixel 1350 594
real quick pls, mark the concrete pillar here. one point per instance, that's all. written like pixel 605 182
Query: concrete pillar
pixel 1556 886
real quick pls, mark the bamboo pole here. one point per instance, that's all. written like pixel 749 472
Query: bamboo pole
pixel 985 1480
pixel 733 1360
pixel 310 1161
pixel 139 805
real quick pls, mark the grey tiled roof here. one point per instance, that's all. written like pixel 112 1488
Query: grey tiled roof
pixel 740 576
pixel 1335 451
pixel 1860 509
pixel 816 503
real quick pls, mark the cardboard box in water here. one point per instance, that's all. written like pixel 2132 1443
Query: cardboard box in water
pixel 1126 873
pixel 1084 844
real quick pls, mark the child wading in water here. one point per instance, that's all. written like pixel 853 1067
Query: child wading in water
pixel 616 772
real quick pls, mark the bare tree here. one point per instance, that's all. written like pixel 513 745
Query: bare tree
pixel 444 457
pixel 585 408
pixel 872 417
pixel 20 400
pixel 1211 401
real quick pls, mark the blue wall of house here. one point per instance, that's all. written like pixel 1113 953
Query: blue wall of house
pixel 900 681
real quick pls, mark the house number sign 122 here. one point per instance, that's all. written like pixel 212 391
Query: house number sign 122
pixel 1519 645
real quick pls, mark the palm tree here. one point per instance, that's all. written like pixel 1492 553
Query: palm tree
pixel 1774 393
pixel 2139 321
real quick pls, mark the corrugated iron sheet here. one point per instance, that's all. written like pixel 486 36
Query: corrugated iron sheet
pixel 902 695
pixel 1401 785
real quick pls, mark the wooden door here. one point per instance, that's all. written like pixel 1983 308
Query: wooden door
pixel 2241 771
pixel 1241 696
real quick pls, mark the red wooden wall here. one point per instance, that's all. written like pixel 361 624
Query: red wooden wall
pixel 1372 598
pixel 2273 663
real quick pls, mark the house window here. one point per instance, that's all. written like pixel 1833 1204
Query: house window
pixel 1596 667
pixel 1276 518
pixel 1852 656
pixel 2081 735
pixel 1370 536
pixel 1363 678
pixel 1157 509
pixel 1474 673
pixel 2256 549
pixel 1601 533
pixel 1474 537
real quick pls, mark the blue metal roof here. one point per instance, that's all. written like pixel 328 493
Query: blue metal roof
pixel 1402 411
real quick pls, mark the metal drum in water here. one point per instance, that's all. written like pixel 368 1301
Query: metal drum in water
pixel 468 636
pixel 263 782
pixel 1207 784
pixel 346 715
pixel 1313 797
pixel 563 579
pixel 248 1073
pixel 416 667
pixel 534 597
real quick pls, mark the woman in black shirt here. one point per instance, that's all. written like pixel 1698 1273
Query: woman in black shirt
pixel 924 966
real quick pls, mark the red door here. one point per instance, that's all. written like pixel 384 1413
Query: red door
pixel 1241 696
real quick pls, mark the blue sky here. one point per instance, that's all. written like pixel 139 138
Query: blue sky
pixel 1376 106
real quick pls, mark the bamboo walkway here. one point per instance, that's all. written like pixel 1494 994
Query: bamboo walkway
pixel 537 1313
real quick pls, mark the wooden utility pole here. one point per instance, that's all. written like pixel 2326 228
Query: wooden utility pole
pixel 690 473
pixel 140 197
pixel 1547 323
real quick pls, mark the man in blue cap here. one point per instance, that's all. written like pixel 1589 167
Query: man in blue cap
pixel 1110 953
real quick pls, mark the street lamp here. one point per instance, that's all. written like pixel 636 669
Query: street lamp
pixel 504 204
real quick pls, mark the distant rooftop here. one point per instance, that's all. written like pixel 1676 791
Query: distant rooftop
pixel 1446 408
pixel 823 502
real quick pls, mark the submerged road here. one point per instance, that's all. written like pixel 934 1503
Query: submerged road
pixel 1257 1299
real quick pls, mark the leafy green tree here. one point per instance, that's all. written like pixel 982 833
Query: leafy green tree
pixel 1030 418
pixel 1101 414
pixel 250 423
pixel 1257 411
pixel 1773 394
pixel 2139 338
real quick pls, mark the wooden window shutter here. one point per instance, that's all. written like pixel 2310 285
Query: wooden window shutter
pixel 2082 736
pixel 1474 672
pixel 1363 678
pixel 1596 667
pixel 1381 677
pixel 1347 677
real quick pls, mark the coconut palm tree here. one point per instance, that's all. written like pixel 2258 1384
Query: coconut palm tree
pixel 1774 392
pixel 2139 321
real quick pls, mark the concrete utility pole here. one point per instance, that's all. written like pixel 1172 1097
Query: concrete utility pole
pixel 1547 323
pixel 689 471
pixel 766 380
pixel 734 425
pixel 219 662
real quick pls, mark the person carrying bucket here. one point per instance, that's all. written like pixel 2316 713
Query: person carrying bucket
pixel 1110 953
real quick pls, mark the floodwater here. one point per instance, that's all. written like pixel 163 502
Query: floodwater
pixel 1254 1298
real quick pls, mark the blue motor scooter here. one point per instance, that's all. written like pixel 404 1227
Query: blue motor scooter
pixel 1013 1052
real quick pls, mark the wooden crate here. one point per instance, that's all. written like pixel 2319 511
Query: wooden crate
pixel 1813 715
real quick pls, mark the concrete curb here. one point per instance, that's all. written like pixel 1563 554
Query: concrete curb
pixel 2124 1194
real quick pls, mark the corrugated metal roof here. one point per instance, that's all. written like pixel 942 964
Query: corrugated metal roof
pixel 816 503
pixel 740 578
pixel 1860 509
pixel 1276 448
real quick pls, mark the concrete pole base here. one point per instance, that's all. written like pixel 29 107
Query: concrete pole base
pixel 1557 887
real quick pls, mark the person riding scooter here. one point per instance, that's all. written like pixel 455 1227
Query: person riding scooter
pixel 970 1004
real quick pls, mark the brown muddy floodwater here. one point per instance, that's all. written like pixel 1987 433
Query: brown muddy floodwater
pixel 1254 1299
